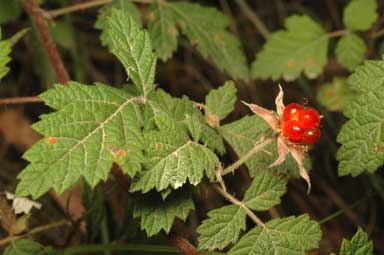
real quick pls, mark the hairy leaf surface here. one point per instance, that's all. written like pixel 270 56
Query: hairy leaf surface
pixel 221 101
pixel 359 245
pixel 350 50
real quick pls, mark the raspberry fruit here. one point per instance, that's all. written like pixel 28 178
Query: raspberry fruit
pixel 309 118
pixel 293 130
pixel 311 136
pixel 291 112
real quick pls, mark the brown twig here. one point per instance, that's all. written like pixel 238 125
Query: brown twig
pixel 37 15
pixel 184 245
pixel 36 230
pixel 20 100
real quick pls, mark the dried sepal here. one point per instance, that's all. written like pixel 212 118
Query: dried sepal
pixel 267 115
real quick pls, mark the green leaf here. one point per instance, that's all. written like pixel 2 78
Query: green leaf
pixel 93 201
pixel 359 245
pixel 207 29
pixel 94 126
pixel 221 101
pixel 265 191
pixel 5 50
pixel 362 136
pixel 102 19
pixel 10 10
pixel 242 136
pixel 157 215
pixel 132 47
pixel 301 48
pixel 350 51
pixel 27 247
pixel 360 14
pixel 292 235
pixel 222 227
pixel 335 95
pixel 163 30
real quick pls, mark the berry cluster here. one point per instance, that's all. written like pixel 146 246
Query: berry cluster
pixel 300 125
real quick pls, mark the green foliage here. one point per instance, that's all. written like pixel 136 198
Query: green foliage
pixel 5 50
pixel 242 136
pixel 102 19
pixel 133 48
pixel 157 215
pixel 292 235
pixel 163 30
pixel 359 245
pixel 222 227
pixel 350 50
pixel 265 191
pixel 9 10
pixel 205 27
pixel 221 102
pixel 93 202
pixel 360 14
pixel 335 95
pixel 93 127
pixel 301 48
pixel 362 136
pixel 26 247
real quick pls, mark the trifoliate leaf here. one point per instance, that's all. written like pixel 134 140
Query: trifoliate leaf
pixel 292 235
pixel 158 214
pixel 265 191
pixel 207 29
pixel 335 95
pixel 132 47
pixel 5 50
pixel 163 30
pixel 242 136
pixel 350 50
pixel 301 48
pixel 125 6
pixel 9 10
pixel 362 136
pixel 360 14
pixel 93 127
pixel 222 227
pixel 25 246
pixel 359 245
pixel 221 101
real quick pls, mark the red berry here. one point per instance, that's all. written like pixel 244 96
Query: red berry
pixel 309 118
pixel 311 136
pixel 291 112
pixel 292 130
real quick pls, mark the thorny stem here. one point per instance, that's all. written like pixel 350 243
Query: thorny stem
pixel 37 15
pixel 20 100
pixel 233 200
pixel 260 26
pixel 258 147
pixel 83 6
pixel 36 230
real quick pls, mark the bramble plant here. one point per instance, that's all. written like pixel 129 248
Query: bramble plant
pixel 169 152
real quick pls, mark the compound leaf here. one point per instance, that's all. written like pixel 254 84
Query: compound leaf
pixel 335 95
pixel 360 14
pixel 221 101
pixel 163 30
pixel 222 227
pixel 102 19
pixel 158 214
pixel 300 48
pixel 362 136
pixel 93 127
pixel 292 235
pixel 132 46
pixel 265 191
pixel 350 50
pixel 359 245
pixel 5 50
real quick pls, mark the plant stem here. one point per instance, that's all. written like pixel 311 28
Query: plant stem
pixel 37 15
pixel 234 200
pixel 260 26
pixel 258 147
pixel 97 248
pixel 36 230
pixel 20 100
pixel 337 33
pixel 83 6
pixel 105 234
